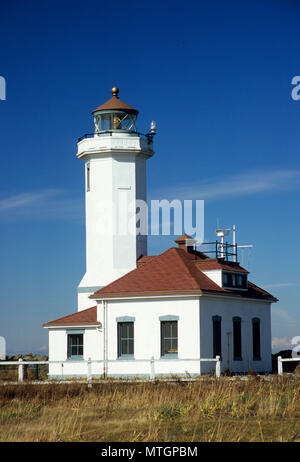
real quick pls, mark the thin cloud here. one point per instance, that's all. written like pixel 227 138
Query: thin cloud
pixel 43 348
pixel 47 204
pixel 27 199
pixel 282 314
pixel 281 342
pixel 236 185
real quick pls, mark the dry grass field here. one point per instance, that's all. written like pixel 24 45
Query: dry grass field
pixel 205 410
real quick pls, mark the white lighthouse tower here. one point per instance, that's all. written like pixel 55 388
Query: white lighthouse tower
pixel 115 158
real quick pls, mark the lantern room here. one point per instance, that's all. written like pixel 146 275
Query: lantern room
pixel 115 115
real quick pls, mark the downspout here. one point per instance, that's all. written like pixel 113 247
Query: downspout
pixel 104 340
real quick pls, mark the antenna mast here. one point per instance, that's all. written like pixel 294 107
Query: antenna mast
pixel 238 246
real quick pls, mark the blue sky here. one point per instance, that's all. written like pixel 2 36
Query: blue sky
pixel 216 78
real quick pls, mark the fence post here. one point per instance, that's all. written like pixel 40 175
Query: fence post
pixel 280 368
pixel 89 374
pixel 20 370
pixel 152 373
pixel 218 367
pixel 36 372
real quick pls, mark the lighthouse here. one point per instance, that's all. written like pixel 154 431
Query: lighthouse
pixel 140 315
pixel 115 158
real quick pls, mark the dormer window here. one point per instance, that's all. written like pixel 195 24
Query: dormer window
pixel 234 280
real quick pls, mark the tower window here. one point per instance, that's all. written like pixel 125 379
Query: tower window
pixel 88 177
pixel 217 345
pixel 237 339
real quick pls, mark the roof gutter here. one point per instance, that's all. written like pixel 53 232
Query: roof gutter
pixel 217 296
pixel 72 326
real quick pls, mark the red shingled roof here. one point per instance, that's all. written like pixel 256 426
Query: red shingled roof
pixel 116 103
pixel 84 317
pixel 211 264
pixel 175 271
pixel 144 259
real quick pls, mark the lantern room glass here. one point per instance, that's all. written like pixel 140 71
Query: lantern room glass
pixel 115 120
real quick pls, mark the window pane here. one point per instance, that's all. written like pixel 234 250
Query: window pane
pixel 125 338
pixel 105 122
pixel 167 345
pixel 169 340
pixel 256 340
pixel 225 279
pixel 130 330
pixel 124 350
pixel 123 330
pixel 237 340
pixel 168 329
pixel 130 347
pixel 75 345
pixel 216 338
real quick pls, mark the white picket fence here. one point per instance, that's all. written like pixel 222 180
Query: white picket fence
pixel 280 362
pixel 21 363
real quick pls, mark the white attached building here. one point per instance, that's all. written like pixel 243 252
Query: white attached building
pixel 176 307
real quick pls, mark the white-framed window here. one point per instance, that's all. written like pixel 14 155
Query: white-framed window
pixel 75 344
pixel 169 336
pixel 237 338
pixel 217 336
pixel 256 339
pixel 125 339
pixel 234 280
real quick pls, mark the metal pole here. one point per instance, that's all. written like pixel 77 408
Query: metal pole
pixel 106 322
pixel 104 339
pixel 234 243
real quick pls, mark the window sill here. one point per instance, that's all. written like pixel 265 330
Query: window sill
pixel 256 359
pixel 235 288
pixel 125 357
pixel 75 358
pixel 169 357
pixel 237 359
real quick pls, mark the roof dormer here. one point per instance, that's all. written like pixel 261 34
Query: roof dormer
pixel 234 280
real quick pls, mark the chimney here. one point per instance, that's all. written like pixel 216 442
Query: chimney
pixel 186 243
